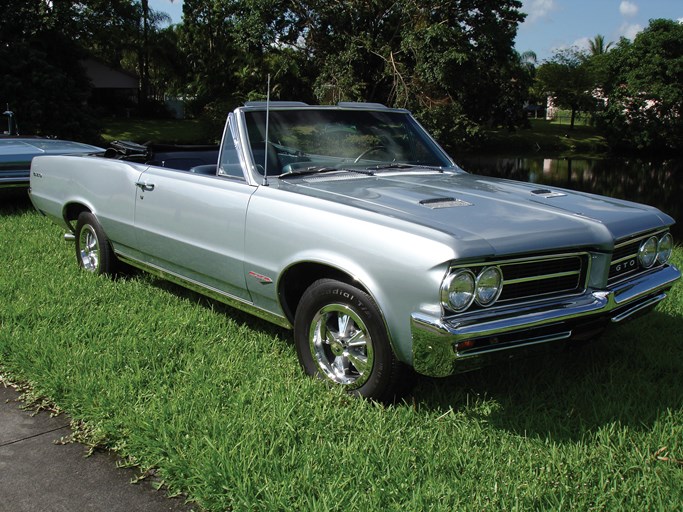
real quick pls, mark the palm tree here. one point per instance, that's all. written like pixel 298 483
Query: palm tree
pixel 597 45
pixel 528 60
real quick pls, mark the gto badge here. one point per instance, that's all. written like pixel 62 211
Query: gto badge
pixel 626 266
pixel 261 277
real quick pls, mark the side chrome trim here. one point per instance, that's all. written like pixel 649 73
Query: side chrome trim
pixel 190 284
pixel 13 184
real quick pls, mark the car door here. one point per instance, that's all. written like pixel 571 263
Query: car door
pixel 193 226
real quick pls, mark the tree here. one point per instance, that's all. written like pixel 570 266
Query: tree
pixel 528 60
pixel 41 77
pixel 597 46
pixel 645 90
pixel 453 56
pixel 568 78
pixel 136 28
pixel 58 36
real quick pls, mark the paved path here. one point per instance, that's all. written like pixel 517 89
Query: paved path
pixel 38 475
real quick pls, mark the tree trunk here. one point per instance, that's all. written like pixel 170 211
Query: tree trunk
pixel 571 123
pixel 144 57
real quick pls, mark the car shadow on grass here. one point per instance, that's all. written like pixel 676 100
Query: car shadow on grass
pixel 14 200
pixel 240 317
pixel 632 375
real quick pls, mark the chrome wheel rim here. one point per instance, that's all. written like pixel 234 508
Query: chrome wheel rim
pixel 89 246
pixel 341 345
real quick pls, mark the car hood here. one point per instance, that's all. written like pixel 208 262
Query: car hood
pixel 503 216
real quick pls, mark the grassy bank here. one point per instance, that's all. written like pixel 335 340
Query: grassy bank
pixel 215 400
pixel 544 137
pixel 164 131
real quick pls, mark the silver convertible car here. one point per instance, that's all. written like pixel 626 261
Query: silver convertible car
pixel 350 224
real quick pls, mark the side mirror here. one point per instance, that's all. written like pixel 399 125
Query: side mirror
pixel 12 128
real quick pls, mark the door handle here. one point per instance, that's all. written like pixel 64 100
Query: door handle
pixel 144 186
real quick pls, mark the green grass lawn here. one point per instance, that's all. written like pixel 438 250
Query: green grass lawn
pixel 548 138
pixel 215 401
pixel 164 131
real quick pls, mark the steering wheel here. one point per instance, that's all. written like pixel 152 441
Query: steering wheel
pixel 374 149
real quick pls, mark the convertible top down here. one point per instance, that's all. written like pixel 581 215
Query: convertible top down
pixel 351 225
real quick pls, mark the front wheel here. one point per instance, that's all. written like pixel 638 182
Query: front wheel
pixel 340 337
pixel 93 250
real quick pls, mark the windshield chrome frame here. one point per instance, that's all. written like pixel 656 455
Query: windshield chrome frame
pixel 252 175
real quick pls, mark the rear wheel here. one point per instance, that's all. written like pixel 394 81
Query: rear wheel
pixel 340 337
pixel 93 250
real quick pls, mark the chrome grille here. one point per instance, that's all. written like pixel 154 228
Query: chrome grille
pixel 625 257
pixel 539 277
pixel 531 279
pixel 546 285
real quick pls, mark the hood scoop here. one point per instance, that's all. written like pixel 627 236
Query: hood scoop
pixel 544 192
pixel 444 202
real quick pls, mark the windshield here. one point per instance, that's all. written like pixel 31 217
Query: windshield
pixel 331 138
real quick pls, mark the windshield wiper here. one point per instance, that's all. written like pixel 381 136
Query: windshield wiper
pixel 322 170
pixel 400 165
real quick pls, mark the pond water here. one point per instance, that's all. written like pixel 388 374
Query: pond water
pixel 657 183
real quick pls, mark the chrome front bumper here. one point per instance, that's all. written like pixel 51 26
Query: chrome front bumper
pixel 443 346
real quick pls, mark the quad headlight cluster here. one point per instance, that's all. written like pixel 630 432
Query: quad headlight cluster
pixel 655 250
pixel 462 288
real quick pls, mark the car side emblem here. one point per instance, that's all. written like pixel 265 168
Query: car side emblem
pixel 261 277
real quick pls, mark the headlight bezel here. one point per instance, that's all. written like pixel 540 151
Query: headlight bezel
pixel 647 252
pixel 498 287
pixel 447 290
pixel 470 282
pixel 666 239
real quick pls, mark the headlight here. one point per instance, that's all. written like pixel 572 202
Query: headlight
pixel 489 284
pixel 647 254
pixel 457 290
pixel 664 248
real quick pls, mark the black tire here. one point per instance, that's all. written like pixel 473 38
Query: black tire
pixel 340 337
pixel 93 249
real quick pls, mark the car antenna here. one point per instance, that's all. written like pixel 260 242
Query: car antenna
pixel 265 152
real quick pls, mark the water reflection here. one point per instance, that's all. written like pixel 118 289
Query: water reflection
pixel 657 183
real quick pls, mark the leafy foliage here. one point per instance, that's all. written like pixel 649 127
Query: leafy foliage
pixel 41 77
pixel 598 46
pixel 47 90
pixel 569 79
pixel 231 48
pixel 452 63
pixel 645 87
pixel 445 55
pixel 43 44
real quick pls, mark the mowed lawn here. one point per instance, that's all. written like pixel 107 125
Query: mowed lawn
pixel 216 402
